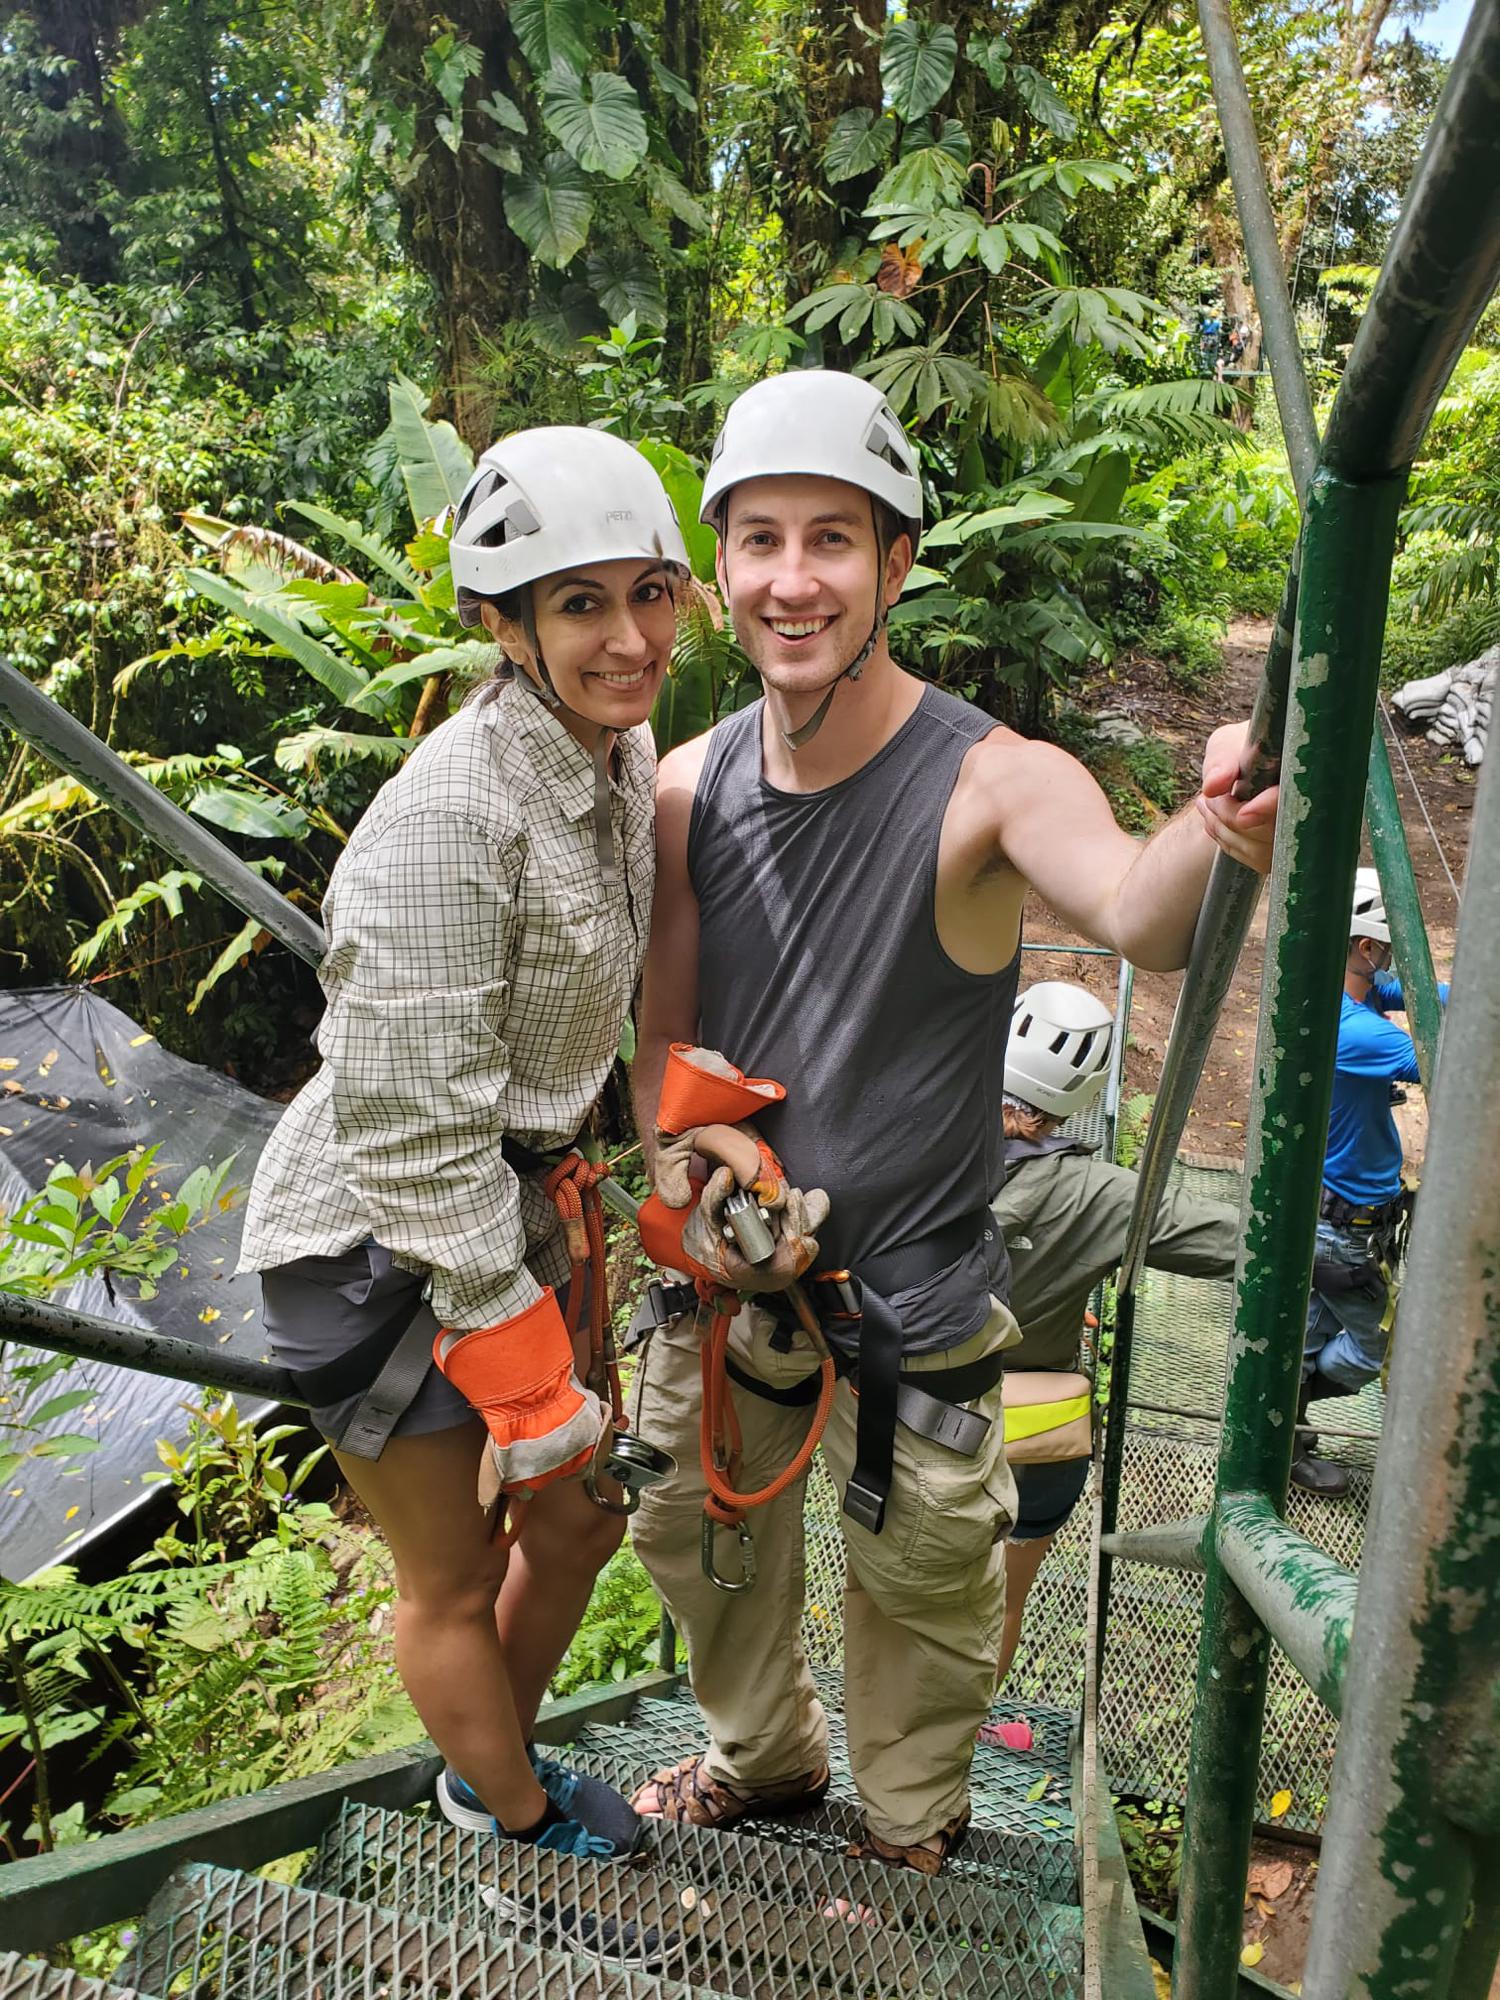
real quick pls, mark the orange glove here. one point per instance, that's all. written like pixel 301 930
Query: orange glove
pixel 543 1424
pixel 661 1228
pixel 702 1088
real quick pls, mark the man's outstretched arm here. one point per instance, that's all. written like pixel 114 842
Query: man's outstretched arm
pixel 1054 826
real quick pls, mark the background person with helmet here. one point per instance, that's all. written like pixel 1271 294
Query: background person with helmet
pixel 1364 1208
pixel 841 869
pixel 1064 1216
pixel 486 926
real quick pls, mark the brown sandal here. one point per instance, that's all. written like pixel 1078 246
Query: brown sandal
pixel 685 1792
pixel 925 1860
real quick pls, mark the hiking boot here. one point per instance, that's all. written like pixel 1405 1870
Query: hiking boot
pixel 596 1809
pixel 1315 1474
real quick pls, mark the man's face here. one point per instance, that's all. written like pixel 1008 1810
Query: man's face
pixel 798 564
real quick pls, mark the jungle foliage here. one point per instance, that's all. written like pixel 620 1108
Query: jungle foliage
pixel 268 281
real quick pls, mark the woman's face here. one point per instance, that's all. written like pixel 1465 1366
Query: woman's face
pixel 606 631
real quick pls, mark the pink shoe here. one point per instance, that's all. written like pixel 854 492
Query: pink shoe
pixel 1008 1735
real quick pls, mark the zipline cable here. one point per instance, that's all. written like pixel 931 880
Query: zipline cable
pixel 1394 735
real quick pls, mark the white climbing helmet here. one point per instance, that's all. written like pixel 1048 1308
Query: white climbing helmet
pixel 545 499
pixel 1057 1058
pixel 1368 918
pixel 821 422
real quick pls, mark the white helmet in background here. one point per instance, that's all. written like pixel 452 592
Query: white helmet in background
pixel 823 424
pixel 1057 1057
pixel 547 499
pixel 1368 918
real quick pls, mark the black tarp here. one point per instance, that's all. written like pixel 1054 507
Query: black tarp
pixel 82 1082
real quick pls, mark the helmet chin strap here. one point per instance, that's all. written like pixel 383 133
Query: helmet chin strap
pixel 547 694
pixel 797 739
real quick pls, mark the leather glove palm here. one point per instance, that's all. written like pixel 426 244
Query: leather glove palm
pixel 711 1251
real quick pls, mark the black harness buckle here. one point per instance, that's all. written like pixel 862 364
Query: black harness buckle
pixel 865 1503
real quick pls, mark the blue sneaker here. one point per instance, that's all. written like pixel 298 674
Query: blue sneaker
pixel 590 1809
pixel 591 1803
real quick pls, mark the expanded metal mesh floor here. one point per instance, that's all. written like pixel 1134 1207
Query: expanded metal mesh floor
pixel 1146 1692
pixel 217 1935
pixel 722 1914
pixel 28 1979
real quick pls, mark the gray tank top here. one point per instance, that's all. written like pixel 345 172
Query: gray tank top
pixel 819 964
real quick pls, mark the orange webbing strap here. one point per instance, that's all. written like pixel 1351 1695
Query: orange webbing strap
pixel 573 1185
pixel 719 1439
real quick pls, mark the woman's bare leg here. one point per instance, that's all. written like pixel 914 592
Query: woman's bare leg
pixel 564 1544
pixel 1022 1561
pixel 421 1494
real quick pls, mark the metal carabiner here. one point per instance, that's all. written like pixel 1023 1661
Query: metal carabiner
pixel 747 1558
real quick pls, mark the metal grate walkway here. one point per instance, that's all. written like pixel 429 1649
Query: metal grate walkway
pixel 402 1906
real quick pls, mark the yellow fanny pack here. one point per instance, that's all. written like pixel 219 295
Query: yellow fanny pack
pixel 1048 1416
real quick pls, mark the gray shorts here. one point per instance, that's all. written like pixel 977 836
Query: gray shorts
pixel 319 1308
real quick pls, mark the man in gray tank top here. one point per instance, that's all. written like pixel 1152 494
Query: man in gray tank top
pixel 841 870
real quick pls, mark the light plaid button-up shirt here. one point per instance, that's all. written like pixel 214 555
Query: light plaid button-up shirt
pixel 478 976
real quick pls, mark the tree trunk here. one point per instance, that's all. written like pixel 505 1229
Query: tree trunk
pixel 690 278
pixel 452 206
pixel 840 68
pixel 82 161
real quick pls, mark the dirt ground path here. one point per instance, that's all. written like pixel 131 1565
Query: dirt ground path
pixel 1183 721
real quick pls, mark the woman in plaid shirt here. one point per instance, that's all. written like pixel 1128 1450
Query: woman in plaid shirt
pixel 486 927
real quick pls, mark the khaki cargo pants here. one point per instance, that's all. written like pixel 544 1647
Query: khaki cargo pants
pixel 924 1600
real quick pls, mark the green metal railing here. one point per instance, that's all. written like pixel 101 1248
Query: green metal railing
pixel 1404 1906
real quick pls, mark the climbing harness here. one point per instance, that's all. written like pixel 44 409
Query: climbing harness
pixel 866 1349
pixel 389 1367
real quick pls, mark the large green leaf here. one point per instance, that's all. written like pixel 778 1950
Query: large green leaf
pixel 858 144
pixel 468 659
pixel 684 484
pixel 599 121
pixel 551 209
pixel 916 65
pixel 303 751
pixel 435 462
pixel 551 33
pixel 1042 101
pixel 395 565
pixel 239 946
pixel 927 179
pixel 669 191
pixel 343 680
pixel 960 528
pixel 255 813
pixel 624 281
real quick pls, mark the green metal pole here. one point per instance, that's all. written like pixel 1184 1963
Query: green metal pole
pixel 1218 940
pixel 1408 1890
pixel 1341 617
pixel 73 747
pixel 1303 1597
pixel 1398 884
pixel 1262 248
pixel 61 1330
pixel 1300 432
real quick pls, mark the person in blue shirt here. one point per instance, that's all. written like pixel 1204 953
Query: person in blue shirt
pixel 1363 1212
